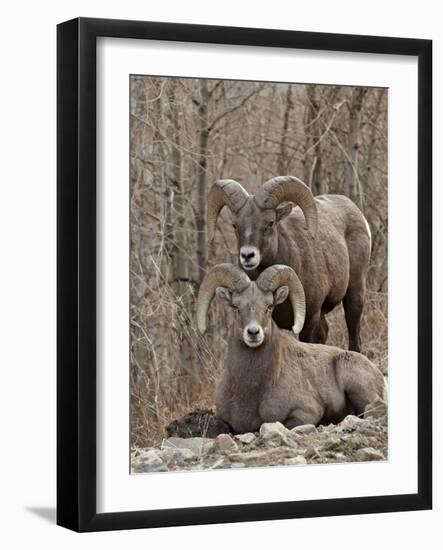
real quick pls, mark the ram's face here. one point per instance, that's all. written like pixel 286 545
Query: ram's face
pixel 253 311
pixel 256 233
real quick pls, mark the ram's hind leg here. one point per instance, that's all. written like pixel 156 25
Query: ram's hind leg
pixel 353 303
pixel 359 250
pixel 361 381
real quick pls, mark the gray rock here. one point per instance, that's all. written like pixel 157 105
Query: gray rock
pixel 272 430
pixel 198 445
pixel 351 422
pixel 296 460
pixel 249 456
pixel 183 454
pixel 333 444
pixel 340 457
pixel 246 438
pixel 304 429
pixel 355 440
pixel 368 453
pixel 167 455
pixel 276 434
pixel 225 444
pixel 330 456
pixel 311 452
pixel 148 461
pixel 220 463
pixel 151 456
pixel 369 429
pixel 178 454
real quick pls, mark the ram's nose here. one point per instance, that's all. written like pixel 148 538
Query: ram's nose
pixel 249 257
pixel 253 331
pixel 253 335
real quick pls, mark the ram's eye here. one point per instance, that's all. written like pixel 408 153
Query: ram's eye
pixel 235 308
pixel 234 226
pixel 270 225
pixel 270 308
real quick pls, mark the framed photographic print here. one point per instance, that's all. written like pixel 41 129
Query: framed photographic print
pixel 244 274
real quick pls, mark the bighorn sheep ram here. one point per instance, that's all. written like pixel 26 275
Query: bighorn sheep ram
pixel 326 241
pixel 269 375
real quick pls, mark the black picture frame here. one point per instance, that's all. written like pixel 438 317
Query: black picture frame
pixel 76 265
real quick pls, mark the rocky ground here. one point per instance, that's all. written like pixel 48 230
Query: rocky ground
pixel 353 440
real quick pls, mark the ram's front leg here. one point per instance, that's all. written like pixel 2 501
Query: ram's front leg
pixel 216 427
pixel 315 329
pixel 300 416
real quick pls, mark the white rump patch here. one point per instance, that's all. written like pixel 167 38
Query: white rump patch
pixel 368 229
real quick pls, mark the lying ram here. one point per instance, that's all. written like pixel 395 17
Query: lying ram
pixel 269 375
pixel 326 241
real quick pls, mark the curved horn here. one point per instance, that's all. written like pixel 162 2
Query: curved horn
pixel 223 193
pixel 288 188
pixel 226 275
pixel 278 275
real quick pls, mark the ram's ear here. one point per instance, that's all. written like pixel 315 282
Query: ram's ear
pixel 281 294
pixel 283 211
pixel 223 294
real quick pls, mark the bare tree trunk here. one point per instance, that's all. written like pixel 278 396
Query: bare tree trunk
pixel 379 249
pixel 282 160
pixel 177 220
pixel 315 129
pixel 181 283
pixel 373 137
pixel 201 179
pixel 352 179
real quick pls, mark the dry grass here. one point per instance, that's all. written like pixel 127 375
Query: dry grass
pixel 374 329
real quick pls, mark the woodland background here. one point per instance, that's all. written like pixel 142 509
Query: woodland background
pixel 187 133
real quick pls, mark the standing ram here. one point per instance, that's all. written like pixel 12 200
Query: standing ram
pixel 269 375
pixel 325 239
